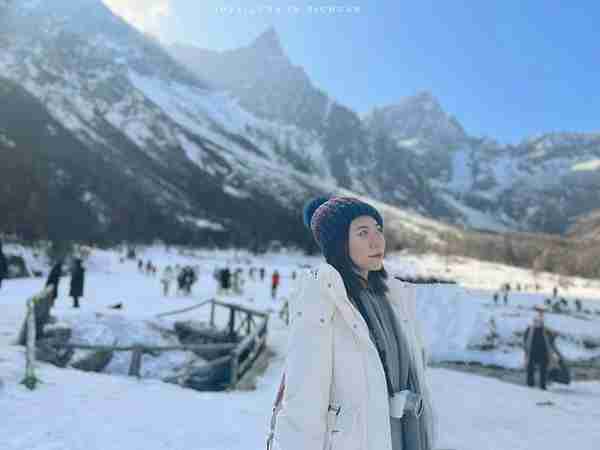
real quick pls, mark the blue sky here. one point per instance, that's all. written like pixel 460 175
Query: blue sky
pixel 506 70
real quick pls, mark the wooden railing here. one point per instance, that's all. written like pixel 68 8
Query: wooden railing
pixel 249 348
pixel 223 370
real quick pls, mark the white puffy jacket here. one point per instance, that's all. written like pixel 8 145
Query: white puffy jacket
pixel 322 319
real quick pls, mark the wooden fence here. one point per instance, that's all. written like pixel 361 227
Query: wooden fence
pixel 223 371
pixel 249 348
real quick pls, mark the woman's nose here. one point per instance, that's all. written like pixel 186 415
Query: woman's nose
pixel 375 243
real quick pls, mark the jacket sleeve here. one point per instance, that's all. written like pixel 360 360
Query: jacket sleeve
pixel 301 422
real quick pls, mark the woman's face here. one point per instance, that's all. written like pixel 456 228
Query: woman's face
pixel 366 244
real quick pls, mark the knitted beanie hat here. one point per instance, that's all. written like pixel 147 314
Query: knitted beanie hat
pixel 329 218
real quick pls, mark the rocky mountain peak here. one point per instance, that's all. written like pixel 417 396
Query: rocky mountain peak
pixel 269 43
pixel 418 116
pixel 423 100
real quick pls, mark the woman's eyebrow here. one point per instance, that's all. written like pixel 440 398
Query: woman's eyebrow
pixel 362 226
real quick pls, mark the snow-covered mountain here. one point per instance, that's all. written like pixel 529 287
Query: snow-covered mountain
pixel 130 144
pixel 271 87
pixel 107 136
pixel 413 153
pixel 542 184
pixel 419 123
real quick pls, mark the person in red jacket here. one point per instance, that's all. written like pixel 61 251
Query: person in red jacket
pixel 274 284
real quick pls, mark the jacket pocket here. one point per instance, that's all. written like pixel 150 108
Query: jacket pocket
pixel 341 423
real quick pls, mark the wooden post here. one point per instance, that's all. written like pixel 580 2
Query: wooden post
pixel 212 314
pixel 30 379
pixel 231 322
pixel 136 362
pixel 42 296
pixel 233 376
pixel 266 330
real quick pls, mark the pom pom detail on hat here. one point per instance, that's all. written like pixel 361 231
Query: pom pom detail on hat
pixel 310 208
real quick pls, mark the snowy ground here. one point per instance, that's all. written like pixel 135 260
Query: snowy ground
pixel 73 410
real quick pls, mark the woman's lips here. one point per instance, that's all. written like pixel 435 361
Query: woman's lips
pixel 379 255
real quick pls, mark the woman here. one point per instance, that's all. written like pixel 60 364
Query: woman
pixel 355 370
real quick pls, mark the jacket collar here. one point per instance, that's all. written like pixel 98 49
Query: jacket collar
pixel 333 282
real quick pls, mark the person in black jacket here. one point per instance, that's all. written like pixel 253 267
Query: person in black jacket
pixel 3 265
pixel 540 349
pixel 77 281
pixel 54 280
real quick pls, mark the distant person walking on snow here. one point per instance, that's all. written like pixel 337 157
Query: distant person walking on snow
pixel 539 349
pixel 225 280
pixel 275 284
pixel 190 278
pixel 180 280
pixel 167 277
pixel 3 266
pixel 77 282
pixel 54 280
pixel 238 281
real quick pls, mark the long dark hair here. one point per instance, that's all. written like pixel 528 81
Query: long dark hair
pixel 339 257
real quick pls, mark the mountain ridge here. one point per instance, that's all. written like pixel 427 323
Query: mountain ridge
pixel 204 166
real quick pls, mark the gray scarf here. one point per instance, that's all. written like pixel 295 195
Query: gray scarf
pixel 408 433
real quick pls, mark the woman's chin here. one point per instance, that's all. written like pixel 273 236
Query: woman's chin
pixel 377 265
